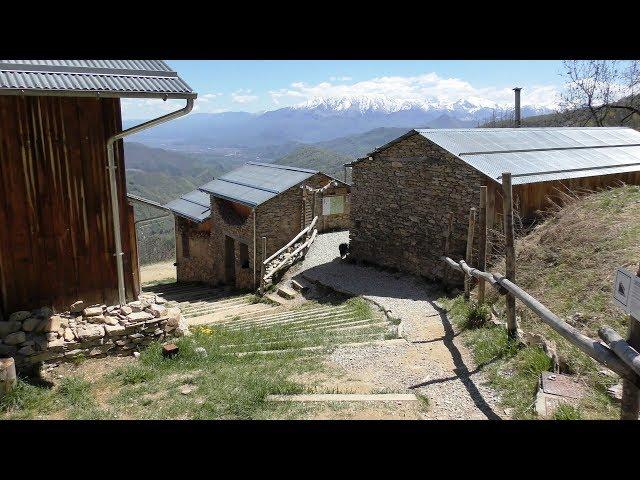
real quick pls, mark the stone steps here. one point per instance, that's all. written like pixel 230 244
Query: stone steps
pixel 204 309
pixel 362 338
pixel 267 322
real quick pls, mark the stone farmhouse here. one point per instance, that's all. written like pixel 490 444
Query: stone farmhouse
pixel 219 227
pixel 403 191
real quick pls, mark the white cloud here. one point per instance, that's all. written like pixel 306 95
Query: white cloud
pixel 145 108
pixel 243 96
pixel 425 87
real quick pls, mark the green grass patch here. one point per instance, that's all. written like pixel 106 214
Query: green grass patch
pixel 564 411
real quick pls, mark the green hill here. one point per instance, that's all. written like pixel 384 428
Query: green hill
pixel 316 158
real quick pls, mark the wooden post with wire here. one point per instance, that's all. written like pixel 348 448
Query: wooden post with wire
pixel 469 254
pixel 482 243
pixel 447 246
pixel 510 252
pixel 630 403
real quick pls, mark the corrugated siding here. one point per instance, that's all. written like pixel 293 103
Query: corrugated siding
pixel 150 65
pixel 56 240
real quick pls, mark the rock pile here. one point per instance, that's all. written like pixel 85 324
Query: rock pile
pixel 42 335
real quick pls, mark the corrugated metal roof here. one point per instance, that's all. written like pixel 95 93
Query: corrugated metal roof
pixel 195 205
pixel 541 154
pixel 255 183
pixel 106 78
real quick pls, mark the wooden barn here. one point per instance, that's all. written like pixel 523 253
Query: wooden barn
pixel 63 236
pixel 403 191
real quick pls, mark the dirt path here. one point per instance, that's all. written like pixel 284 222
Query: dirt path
pixel 158 271
pixel 433 361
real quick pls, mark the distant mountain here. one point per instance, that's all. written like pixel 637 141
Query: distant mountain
pixel 318 120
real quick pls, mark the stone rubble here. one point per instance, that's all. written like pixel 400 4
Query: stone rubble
pixel 42 335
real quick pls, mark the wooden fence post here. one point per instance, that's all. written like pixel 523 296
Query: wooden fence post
pixel 482 252
pixel 469 255
pixel 510 252
pixel 447 245
pixel 630 403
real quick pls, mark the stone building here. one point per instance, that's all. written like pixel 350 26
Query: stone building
pixel 403 191
pixel 216 241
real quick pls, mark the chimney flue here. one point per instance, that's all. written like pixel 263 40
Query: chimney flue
pixel 518 123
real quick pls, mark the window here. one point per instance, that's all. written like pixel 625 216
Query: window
pixel 333 205
pixel 185 245
pixel 244 255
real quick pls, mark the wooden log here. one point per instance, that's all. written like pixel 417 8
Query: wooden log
pixel 469 253
pixel 447 245
pixel 8 378
pixel 291 258
pixel 591 347
pixel 294 240
pixel 630 402
pixel 482 243
pixel 510 253
pixel 626 352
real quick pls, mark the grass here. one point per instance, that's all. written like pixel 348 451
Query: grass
pixel 568 262
pixel 222 385
pixel 567 412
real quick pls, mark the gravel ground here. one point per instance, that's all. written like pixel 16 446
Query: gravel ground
pixel 433 362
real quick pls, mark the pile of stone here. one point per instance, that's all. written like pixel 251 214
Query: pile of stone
pixel 42 335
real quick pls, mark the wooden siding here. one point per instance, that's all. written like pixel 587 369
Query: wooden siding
pixel 56 240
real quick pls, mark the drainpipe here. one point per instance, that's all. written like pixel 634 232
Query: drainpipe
pixel 115 208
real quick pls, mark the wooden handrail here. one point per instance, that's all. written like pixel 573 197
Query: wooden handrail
pixel 302 232
pixel 291 258
pixel 591 347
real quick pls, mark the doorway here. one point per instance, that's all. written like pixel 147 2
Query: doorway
pixel 229 261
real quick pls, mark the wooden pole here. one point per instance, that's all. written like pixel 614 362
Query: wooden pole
pixel 469 255
pixel 630 403
pixel 482 244
pixel 510 252
pixel 8 377
pixel 447 245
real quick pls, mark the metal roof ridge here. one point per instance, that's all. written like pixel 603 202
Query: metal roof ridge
pixel 283 167
pixel 246 185
pixel 580 147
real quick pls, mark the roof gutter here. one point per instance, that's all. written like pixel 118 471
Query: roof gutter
pixel 114 187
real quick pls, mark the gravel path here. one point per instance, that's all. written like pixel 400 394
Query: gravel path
pixel 433 362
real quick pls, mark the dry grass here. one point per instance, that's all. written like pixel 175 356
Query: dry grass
pixel 568 262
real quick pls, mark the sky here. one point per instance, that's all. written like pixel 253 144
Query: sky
pixel 261 85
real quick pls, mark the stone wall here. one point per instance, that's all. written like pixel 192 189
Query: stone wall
pixel 400 200
pixel 197 266
pixel 279 219
pixel 42 336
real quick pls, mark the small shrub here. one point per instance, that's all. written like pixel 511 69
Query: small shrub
pixel 477 315
pixel 567 412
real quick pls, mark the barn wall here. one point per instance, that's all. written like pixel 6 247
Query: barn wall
pixel 56 240
pixel 400 200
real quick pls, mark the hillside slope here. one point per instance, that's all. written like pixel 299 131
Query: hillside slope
pixel 316 158
pixel 567 262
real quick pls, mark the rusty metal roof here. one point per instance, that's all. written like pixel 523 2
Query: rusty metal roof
pixel 540 154
pixel 102 78
pixel 255 183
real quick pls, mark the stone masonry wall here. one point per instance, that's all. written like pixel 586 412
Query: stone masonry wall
pixel 399 204
pixel 279 219
pixel 197 266
pixel 42 336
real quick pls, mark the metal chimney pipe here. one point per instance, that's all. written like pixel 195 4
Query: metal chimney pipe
pixel 518 122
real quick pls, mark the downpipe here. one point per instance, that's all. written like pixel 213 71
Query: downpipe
pixel 115 208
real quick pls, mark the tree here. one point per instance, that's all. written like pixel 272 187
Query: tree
pixel 601 92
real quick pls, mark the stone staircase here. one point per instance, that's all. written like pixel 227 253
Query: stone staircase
pixel 200 303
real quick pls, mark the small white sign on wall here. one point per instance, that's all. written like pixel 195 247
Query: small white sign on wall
pixel 333 205
pixel 626 292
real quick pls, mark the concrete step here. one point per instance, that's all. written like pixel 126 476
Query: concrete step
pixel 319 347
pixel 361 338
pixel 286 315
pixel 191 308
pixel 299 286
pixel 345 397
pixel 286 292
pixel 291 322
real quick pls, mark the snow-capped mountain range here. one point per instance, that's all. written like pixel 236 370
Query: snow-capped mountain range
pixel 322 119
